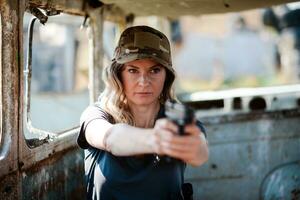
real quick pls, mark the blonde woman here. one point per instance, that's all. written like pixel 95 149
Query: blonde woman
pixel 125 133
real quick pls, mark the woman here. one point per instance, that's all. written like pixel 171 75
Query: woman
pixel 125 133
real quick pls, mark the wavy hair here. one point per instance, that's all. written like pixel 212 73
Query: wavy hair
pixel 113 99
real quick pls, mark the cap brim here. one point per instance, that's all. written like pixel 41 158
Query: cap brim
pixel 138 56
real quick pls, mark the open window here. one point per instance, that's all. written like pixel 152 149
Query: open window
pixel 55 77
pixel 239 62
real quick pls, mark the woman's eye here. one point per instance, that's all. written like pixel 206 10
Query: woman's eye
pixel 132 70
pixel 155 70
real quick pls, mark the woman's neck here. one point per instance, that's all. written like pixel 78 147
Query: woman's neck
pixel 144 116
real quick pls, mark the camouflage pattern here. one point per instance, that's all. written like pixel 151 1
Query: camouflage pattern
pixel 141 42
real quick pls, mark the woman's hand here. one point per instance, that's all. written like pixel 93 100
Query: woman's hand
pixel 191 148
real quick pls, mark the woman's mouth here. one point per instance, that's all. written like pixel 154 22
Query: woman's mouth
pixel 142 94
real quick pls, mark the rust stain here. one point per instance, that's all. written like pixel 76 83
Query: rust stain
pixel 9 83
pixel 61 176
pixel 52 159
pixel 74 7
pixel 295 194
pixel 9 186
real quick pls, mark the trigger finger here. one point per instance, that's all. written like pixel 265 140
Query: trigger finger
pixel 192 129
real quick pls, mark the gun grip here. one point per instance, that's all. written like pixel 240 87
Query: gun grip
pixel 181 129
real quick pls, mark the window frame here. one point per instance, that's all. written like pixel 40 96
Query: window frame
pixel 42 136
pixel 67 140
pixel 9 88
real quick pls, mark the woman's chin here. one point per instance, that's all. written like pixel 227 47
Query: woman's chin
pixel 145 101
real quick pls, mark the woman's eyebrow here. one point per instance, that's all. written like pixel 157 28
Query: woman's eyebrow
pixel 156 65
pixel 132 66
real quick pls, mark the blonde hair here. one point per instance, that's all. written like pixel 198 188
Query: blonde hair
pixel 113 100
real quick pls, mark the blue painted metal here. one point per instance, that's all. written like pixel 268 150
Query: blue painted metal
pixel 282 183
pixel 244 148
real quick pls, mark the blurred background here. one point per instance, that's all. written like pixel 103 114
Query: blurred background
pixel 254 48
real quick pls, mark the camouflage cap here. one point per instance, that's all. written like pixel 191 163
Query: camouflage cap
pixel 139 42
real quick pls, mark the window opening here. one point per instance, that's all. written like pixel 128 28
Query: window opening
pixel 232 56
pixel 56 77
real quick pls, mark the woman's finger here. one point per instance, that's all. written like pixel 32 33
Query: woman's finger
pixel 192 129
pixel 183 151
pixel 185 156
pixel 180 147
pixel 184 140
pixel 166 124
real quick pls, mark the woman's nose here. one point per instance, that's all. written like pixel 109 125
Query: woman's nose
pixel 144 80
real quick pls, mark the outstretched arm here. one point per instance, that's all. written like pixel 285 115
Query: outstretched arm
pixel 126 140
pixel 119 139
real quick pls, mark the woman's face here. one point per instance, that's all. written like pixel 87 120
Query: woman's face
pixel 143 81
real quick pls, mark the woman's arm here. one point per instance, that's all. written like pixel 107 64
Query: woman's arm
pixel 119 139
pixel 126 140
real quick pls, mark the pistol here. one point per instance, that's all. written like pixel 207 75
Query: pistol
pixel 180 114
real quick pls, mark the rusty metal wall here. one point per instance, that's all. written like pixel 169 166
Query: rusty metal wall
pixel 59 177
pixel 244 148
pixel 51 171
pixel 9 186
pixel 10 86
pixel 9 176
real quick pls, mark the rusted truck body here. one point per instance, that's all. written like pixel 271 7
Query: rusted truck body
pixel 254 136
